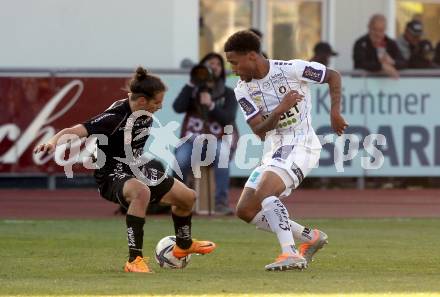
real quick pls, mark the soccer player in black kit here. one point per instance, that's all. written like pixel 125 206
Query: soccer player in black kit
pixel 124 127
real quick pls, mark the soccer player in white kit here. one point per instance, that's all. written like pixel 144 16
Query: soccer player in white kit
pixel 275 99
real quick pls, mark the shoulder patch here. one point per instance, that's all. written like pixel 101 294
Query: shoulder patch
pixel 246 106
pixel 312 74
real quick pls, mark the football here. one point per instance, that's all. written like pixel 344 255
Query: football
pixel 164 254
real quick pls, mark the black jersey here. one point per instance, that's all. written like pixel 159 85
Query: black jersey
pixel 113 124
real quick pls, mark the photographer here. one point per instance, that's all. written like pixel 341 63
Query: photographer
pixel 209 106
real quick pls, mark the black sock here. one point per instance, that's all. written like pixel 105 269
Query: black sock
pixel 182 227
pixel 135 236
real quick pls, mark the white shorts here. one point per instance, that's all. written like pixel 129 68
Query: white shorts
pixel 292 163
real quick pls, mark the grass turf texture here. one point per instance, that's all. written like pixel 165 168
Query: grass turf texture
pixel 387 257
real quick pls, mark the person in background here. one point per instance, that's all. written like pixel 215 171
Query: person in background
pixel 208 109
pixel 436 59
pixel 422 56
pixel 376 52
pixel 322 52
pixel 410 39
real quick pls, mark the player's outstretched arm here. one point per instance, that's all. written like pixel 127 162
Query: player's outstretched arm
pixel 333 78
pixel 49 147
pixel 261 126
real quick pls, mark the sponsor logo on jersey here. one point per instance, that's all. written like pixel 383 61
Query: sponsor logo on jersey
pixel 252 87
pixel 279 63
pixel 152 174
pixel 143 122
pixel 257 97
pixel 246 106
pixel 312 73
pixel 278 75
pixel 141 133
pixel 288 114
pixel 256 93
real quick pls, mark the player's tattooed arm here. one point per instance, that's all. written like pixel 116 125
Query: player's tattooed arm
pixel 261 126
pixel 333 78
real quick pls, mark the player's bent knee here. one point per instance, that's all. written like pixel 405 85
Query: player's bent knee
pixel 135 190
pixel 271 185
pixel 193 196
pixel 244 213
pixel 142 194
pixel 190 200
pixel 184 199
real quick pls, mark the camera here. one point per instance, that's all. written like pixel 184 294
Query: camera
pixel 201 77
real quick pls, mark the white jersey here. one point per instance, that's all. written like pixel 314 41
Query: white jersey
pixel 264 95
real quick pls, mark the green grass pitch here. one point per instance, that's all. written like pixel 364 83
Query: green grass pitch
pixel 385 257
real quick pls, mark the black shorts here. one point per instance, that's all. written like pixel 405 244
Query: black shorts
pixel 111 185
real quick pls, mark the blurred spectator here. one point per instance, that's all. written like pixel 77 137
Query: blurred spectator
pixel 377 52
pixel 437 55
pixel 259 34
pixel 409 40
pixel 187 63
pixel 206 38
pixel 209 105
pixel 422 56
pixel 322 53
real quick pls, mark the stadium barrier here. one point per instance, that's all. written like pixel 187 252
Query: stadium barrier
pixel 38 102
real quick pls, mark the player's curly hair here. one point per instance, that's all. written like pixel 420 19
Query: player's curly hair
pixel 243 41
pixel 145 84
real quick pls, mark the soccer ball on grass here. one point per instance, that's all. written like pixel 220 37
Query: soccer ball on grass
pixel 164 254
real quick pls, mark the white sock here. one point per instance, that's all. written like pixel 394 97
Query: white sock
pixel 278 219
pixel 260 222
pixel 299 232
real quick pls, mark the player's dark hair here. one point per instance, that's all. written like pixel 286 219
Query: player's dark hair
pixel 243 41
pixel 256 31
pixel 144 84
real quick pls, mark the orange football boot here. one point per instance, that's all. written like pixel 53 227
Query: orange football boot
pixel 138 265
pixel 197 247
